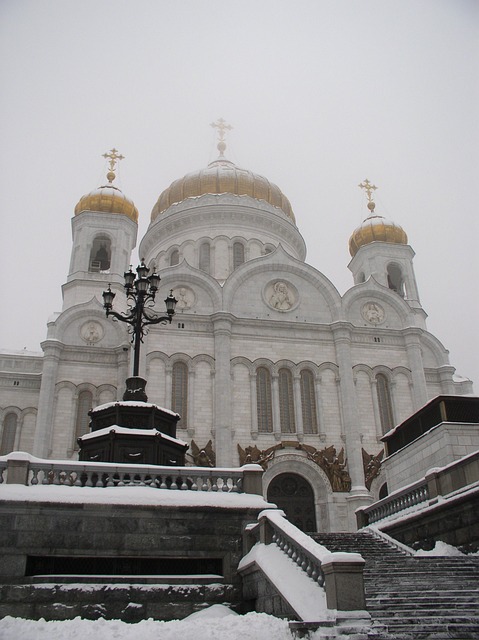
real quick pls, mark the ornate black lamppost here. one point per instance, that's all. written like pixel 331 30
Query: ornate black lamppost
pixel 140 293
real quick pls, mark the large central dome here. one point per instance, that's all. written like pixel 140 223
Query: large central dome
pixel 222 176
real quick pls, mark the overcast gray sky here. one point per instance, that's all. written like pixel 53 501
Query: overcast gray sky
pixel 321 94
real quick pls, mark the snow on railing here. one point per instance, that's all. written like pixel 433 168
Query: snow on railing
pixel 398 501
pixel 339 574
pixel 19 467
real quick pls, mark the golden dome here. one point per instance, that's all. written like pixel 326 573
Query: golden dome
pixel 107 199
pixel 222 176
pixel 376 229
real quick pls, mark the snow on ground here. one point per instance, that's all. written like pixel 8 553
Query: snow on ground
pixel 441 549
pixel 215 623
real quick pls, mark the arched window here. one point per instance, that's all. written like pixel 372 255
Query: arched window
pixel 385 402
pixel 238 254
pixel 82 422
pixel 308 402
pixel 286 402
pixel 263 400
pixel 205 257
pixel 174 257
pixel 100 255
pixel 9 432
pixel 395 279
pixel 179 393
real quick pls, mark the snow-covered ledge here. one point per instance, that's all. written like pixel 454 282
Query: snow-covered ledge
pixel 320 584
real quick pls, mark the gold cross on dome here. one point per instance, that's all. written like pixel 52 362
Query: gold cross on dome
pixel 222 127
pixel 114 157
pixel 369 188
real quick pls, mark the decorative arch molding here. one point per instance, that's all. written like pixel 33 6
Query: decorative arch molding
pixel 381 368
pixel 204 357
pixel 372 289
pixel 11 409
pixel 280 262
pixel 363 368
pixel 436 347
pixel 283 364
pixel 183 274
pixel 246 362
pixel 296 463
pixel 397 371
pixel 328 366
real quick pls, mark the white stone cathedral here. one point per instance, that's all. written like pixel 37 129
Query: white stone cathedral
pixel 265 361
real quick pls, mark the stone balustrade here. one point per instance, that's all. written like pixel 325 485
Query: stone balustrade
pixel 21 468
pixel 398 501
pixel 339 574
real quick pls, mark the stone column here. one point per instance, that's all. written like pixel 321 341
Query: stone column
pixel 42 445
pixel 275 403
pixel 413 347
pixel 377 415
pixel 254 405
pixel 350 412
pixel 298 407
pixel 191 424
pixel 166 401
pixel 222 390
pixel 319 408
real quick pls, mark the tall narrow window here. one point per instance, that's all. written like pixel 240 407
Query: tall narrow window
pixel 205 257
pixel 286 402
pixel 263 400
pixel 85 403
pixel 179 393
pixel 385 403
pixel 174 257
pixel 308 402
pixel 100 255
pixel 238 254
pixel 395 279
pixel 9 432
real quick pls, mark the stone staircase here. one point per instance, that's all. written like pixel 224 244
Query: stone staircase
pixel 414 598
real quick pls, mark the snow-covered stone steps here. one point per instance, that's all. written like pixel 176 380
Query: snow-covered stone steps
pixel 414 598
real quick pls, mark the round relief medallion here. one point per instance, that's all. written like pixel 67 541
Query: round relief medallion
pixel 91 332
pixel 373 313
pixel 281 295
pixel 186 298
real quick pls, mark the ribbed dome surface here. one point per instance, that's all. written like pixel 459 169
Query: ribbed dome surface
pixel 222 176
pixel 107 199
pixel 376 229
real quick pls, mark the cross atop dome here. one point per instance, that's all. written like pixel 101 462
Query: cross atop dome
pixel 113 156
pixel 369 188
pixel 222 127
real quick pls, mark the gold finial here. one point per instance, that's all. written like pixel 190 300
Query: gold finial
pixel 113 157
pixel 222 127
pixel 369 188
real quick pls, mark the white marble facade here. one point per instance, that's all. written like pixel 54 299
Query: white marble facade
pixel 272 362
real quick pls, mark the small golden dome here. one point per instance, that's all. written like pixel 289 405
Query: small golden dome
pixel 107 199
pixel 222 176
pixel 376 229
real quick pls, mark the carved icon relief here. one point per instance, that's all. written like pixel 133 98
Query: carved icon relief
pixel 281 296
pixel 185 297
pixel 373 313
pixel 91 332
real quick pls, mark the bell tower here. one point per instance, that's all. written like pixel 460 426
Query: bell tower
pixel 379 248
pixel 104 231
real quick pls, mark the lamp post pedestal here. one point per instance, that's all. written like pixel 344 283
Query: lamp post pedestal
pixel 135 389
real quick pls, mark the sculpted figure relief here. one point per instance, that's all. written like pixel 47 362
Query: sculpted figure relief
pixel 373 313
pixel 281 299
pixel 372 466
pixel 91 332
pixel 205 457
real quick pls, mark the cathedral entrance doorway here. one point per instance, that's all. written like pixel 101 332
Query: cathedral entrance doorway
pixel 294 495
